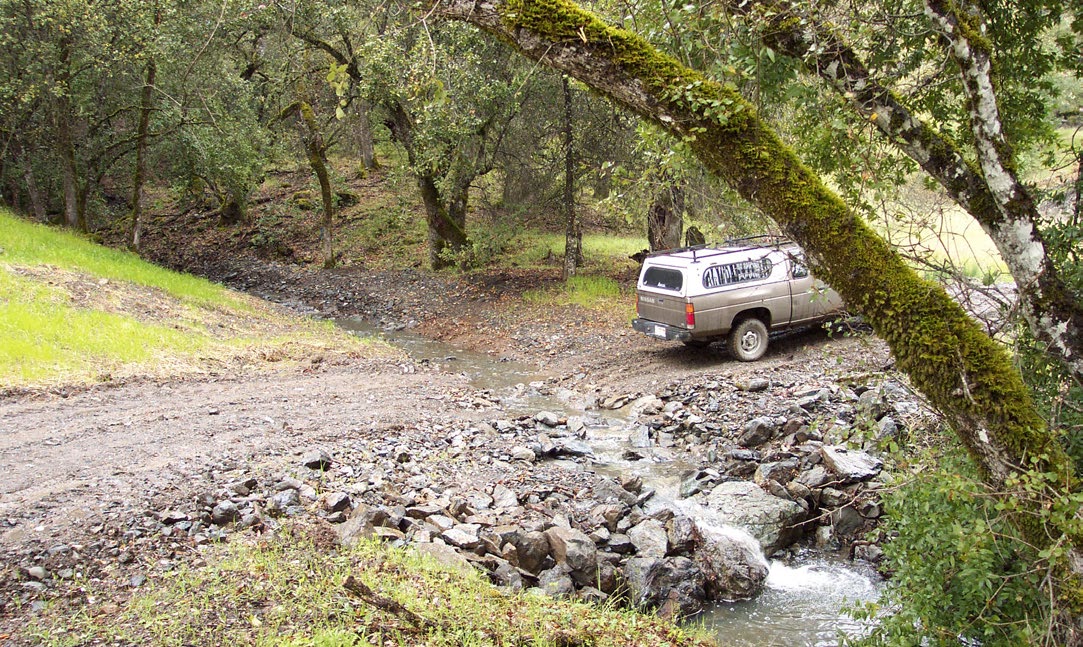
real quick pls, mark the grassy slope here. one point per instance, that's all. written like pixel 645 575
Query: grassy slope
pixel 75 312
pixel 289 591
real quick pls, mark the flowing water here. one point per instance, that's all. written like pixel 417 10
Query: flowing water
pixel 803 603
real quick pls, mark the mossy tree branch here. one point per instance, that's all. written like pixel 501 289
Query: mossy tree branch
pixel 990 190
pixel 947 356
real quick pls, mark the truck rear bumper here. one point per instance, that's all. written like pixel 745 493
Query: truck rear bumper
pixel 661 330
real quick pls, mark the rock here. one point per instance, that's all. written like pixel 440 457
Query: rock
pixel 556 583
pixel 170 517
pixel 846 521
pixel 591 595
pixel 37 573
pixel 870 509
pixel 463 535
pixel 225 512
pixel 770 519
pixel 825 537
pixel 869 552
pixel 832 498
pixel 547 418
pixel 532 549
pixel 444 555
pixel 697 481
pixel 649 538
pixel 640 437
pixel 732 566
pixel 620 543
pixel 316 459
pixel 814 478
pixel 441 522
pixel 672 581
pixel 632 483
pixel 647 405
pixel 886 428
pixel 681 532
pixel 503 497
pixel 354 530
pixel 781 472
pixel 283 501
pixel 523 454
pixel 754 385
pixel 575 550
pixel 573 447
pixel 872 405
pixel 608 514
pixel 608 491
pixel 851 466
pixel 336 502
pixel 757 432
pixel 502 573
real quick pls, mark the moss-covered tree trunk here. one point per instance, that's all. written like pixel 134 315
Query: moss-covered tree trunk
pixel 947 356
pixel 573 234
pixel 665 218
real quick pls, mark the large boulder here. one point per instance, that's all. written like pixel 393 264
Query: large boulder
pixel 575 550
pixel 773 521
pixel 649 538
pixel 731 563
pixel 674 583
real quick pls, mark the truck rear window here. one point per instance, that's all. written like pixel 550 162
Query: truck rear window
pixel 666 279
pixel 719 275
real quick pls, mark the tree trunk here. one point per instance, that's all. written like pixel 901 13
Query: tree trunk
pixel 665 218
pixel 74 216
pixel 446 223
pixel 366 146
pixel 146 105
pixel 961 371
pixel 573 235
pixel 317 159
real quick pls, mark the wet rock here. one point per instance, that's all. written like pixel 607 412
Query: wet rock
pixel 225 512
pixel 698 481
pixel 547 418
pixel 532 549
pixel 609 491
pixel 851 466
pixel 632 483
pixel 647 405
pixel 732 566
pixel 869 552
pixel 757 432
pixel 681 533
pixel 846 521
pixel 672 581
pixel 770 519
pixel 649 538
pixel 575 550
pixel 316 459
pixel 572 447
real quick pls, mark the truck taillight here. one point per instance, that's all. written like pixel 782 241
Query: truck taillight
pixel 690 315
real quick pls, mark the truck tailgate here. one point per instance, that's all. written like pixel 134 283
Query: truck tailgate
pixel 661 307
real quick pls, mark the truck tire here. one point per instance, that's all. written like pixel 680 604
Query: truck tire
pixel 748 340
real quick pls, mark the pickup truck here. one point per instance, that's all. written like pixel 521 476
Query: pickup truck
pixel 737 291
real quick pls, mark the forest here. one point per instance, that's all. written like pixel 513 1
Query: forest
pixel 855 129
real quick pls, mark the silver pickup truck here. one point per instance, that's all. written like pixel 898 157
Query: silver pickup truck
pixel 738 291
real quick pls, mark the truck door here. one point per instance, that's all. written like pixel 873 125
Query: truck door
pixel 811 297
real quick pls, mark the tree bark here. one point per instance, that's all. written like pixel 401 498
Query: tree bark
pixel 146 106
pixel 365 144
pixel 573 235
pixel 74 216
pixel 961 371
pixel 446 222
pixel 317 159
pixel 991 193
pixel 665 218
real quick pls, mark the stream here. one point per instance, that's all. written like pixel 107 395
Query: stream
pixel 802 603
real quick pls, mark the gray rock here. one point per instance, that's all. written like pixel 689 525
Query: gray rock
pixel 872 405
pixel 609 491
pixel 886 428
pixel 591 595
pixel 523 454
pixel 869 552
pixel 681 532
pixel 608 514
pixel 463 535
pixel 532 549
pixel 444 555
pixel 575 550
pixel 731 565
pixel 503 497
pixel 846 521
pixel 37 573
pixel 758 431
pixel 649 538
pixel 573 447
pixel 225 512
pixel 336 502
pixel 814 478
pixel 832 498
pixel 770 519
pixel 547 418
pixel 441 522
pixel 672 582
pixel 620 543
pixel 851 466
pixel 781 472
pixel 316 459
pixel 556 582
pixel 283 501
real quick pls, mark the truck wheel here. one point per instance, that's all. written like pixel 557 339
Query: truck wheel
pixel 748 340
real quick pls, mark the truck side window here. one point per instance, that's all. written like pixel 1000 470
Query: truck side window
pixel 666 279
pixel 799 269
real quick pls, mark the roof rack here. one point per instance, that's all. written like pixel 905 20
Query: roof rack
pixel 726 247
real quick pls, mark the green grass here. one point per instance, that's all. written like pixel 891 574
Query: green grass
pixel 587 291
pixel 286 592
pixel 602 253
pixel 75 312
pixel 26 243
